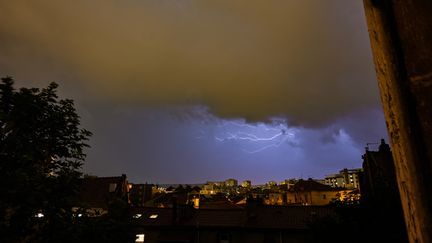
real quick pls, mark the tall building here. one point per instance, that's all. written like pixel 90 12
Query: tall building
pixel 271 185
pixel 346 178
pixel 380 191
pixel 231 183
pixel 246 184
pixel 380 175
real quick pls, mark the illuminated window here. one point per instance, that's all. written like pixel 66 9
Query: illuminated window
pixel 137 216
pixel 153 216
pixel 139 238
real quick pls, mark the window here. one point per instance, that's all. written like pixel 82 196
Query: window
pixel 112 187
pixel 224 237
pixel 137 216
pixel 139 238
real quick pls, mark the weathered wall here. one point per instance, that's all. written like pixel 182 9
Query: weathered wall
pixel 401 40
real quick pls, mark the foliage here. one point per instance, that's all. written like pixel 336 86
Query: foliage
pixel 41 154
pixel 115 226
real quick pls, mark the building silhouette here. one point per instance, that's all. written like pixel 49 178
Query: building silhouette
pixel 379 182
pixel 380 194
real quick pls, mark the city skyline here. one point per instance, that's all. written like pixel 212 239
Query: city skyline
pixel 323 179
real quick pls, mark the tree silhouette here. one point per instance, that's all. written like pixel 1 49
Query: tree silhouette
pixel 41 154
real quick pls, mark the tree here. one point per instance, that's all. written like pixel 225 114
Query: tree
pixel 41 154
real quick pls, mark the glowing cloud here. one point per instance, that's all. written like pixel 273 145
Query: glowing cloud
pixel 306 60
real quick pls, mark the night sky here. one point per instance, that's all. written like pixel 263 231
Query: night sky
pixel 182 91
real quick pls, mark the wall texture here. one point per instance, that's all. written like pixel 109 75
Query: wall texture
pixel 401 40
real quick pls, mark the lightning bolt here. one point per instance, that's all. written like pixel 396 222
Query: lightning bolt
pixel 248 136
pixel 243 124
pixel 262 149
pixel 275 140
pixel 277 144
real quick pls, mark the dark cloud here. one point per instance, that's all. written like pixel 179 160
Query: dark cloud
pixel 307 60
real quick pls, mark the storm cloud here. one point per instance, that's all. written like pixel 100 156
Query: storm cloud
pixel 306 60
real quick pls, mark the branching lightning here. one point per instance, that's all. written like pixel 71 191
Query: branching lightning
pixel 248 136
pixel 263 136
pixel 262 149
